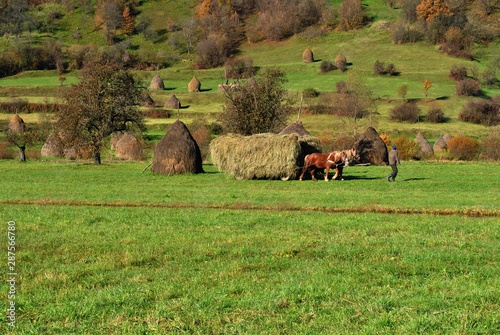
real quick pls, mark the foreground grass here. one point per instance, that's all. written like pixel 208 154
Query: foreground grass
pixel 88 270
pixel 110 250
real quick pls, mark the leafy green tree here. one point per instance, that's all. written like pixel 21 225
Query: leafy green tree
pixel 104 101
pixel 258 106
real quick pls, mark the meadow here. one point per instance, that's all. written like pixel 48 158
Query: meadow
pixel 111 250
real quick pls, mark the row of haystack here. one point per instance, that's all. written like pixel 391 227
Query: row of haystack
pixel 125 144
pixel 157 84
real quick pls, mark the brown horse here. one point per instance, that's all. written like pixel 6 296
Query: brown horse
pixel 352 156
pixel 328 160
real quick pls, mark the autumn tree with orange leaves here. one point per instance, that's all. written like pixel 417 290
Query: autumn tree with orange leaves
pixel 428 10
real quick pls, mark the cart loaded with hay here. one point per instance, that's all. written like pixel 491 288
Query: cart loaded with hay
pixel 262 156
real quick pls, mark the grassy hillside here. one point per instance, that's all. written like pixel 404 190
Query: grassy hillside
pixel 414 62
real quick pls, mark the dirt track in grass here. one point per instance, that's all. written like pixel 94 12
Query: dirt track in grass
pixel 242 206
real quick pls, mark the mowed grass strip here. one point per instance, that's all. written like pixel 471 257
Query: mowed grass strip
pixel 96 270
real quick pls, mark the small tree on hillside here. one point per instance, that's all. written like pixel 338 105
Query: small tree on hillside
pixel 427 85
pixel 103 102
pixel 258 106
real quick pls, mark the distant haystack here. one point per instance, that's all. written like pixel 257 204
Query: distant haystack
pixel 129 147
pixel 262 156
pixel 308 56
pixel 53 147
pixel 341 62
pixel 16 124
pixel 115 137
pixel 295 127
pixel 371 148
pixel 442 143
pixel 425 147
pixel 156 83
pixel 194 85
pixel 177 152
pixel 146 100
pixel 173 102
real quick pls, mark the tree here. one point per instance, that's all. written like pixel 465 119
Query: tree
pixel 104 101
pixel 403 91
pixel 108 15
pixel 128 23
pixel 258 106
pixel 351 15
pixel 427 86
pixel 428 10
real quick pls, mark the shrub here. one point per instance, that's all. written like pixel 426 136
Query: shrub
pixel 458 73
pixel 435 115
pixel 343 143
pixel 463 148
pixel 378 68
pixel 491 147
pixel 341 87
pixel 407 112
pixel 407 149
pixel 327 66
pixel 405 33
pixel 310 93
pixel 483 112
pixel 468 87
pixel 386 138
pixel 351 15
pixel 239 68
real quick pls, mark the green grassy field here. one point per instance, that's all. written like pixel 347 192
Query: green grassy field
pixel 108 249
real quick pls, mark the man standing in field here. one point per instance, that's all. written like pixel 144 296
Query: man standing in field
pixel 393 162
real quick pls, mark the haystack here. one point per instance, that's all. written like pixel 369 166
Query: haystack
pixel 115 137
pixel 424 145
pixel 173 102
pixel 129 147
pixel 307 56
pixel 441 144
pixel 295 127
pixel 16 124
pixel 53 146
pixel 156 83
pixel 194 85
pixel 177 152
pixel 371 148
pixel 262 156
pixel 146 100
pixel 340 61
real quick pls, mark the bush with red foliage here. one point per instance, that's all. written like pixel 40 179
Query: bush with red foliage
pixel 435 115
pixel 463 148
pixel 407 112
pixel 468 87
pixel 458 73
pixel 407 149
pixel 491 147
pixel 485 112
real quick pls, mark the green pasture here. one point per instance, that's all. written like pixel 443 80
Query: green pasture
pixel 108 249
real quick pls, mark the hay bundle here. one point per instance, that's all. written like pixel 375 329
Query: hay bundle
pixel 262 156
pixel 295 128
pixel 16 124
pixel 115 137
pixel 442 143
pixel 340 60
pixel 424 145
pixel 371 148
pixel 173 102
pixel 177 152
pixel 53 147
pixel 194 85
pixel 146 100
pixel 129 147
pixel 156 83
pixel 307 56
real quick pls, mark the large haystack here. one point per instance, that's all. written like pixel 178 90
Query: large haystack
pixel 129 147
pixel 194 85
pixel 177 152
pixel 173 102
pixel 308 56
pixel 371 148
pixel 156 83
pixel 16 124
pixel 424 145
pixel 53 146
pixel 115 137
pixel 295 127
pixel 262 156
